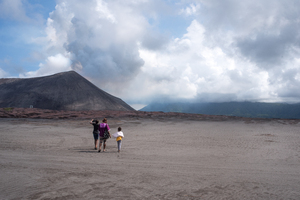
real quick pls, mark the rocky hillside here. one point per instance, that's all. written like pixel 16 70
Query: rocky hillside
pixel 62 91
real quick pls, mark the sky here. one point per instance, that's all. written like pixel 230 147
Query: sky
pixel 145 51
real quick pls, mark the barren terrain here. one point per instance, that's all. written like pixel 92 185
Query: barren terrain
pixel 162 157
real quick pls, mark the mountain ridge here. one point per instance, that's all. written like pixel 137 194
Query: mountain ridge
pixel 239 109
pixel 61 91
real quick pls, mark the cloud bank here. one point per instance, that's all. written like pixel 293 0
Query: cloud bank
pixel 230 51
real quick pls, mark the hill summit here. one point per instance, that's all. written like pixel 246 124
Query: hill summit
pixel 62 91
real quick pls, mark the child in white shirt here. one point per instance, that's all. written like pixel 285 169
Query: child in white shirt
pixel 119 136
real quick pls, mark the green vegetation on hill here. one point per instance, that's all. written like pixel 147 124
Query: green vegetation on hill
pixel 243 109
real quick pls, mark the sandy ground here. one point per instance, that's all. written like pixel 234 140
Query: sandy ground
pixel 160 159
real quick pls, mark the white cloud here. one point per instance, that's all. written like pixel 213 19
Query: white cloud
pixel 2 73
pixel 13 10
pixel 54 64
pixel 232 50
pixel 191 9
pixel 104 12
pixel 101 36
pixel 191 67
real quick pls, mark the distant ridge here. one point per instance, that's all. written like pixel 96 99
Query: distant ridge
pixel 62 91
pixel 239 109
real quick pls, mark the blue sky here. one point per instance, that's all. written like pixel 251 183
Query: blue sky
pixel 19 22
pixel 159 50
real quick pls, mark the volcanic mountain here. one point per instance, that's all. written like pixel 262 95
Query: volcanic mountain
pixel 62 91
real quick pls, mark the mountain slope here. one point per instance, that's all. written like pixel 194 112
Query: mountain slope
pixel 62 91
pixel 241 109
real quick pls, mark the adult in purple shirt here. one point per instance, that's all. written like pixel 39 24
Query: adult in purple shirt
pixel 102 127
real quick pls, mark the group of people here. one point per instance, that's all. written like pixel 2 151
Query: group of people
pixel 100 131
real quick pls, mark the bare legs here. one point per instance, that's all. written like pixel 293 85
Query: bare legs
pixel 100 144
pixel 96 136
pixel 96 142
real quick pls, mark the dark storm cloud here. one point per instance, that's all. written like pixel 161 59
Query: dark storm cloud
pixel 269 50
pixel 154 41
pixel 117 62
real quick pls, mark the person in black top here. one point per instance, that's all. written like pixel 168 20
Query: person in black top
pixel 95 123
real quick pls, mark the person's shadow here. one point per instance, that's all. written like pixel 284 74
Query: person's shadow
pixel 91 150
pixel 85 150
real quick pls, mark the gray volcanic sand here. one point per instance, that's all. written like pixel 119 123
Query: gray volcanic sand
pixel 160 159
